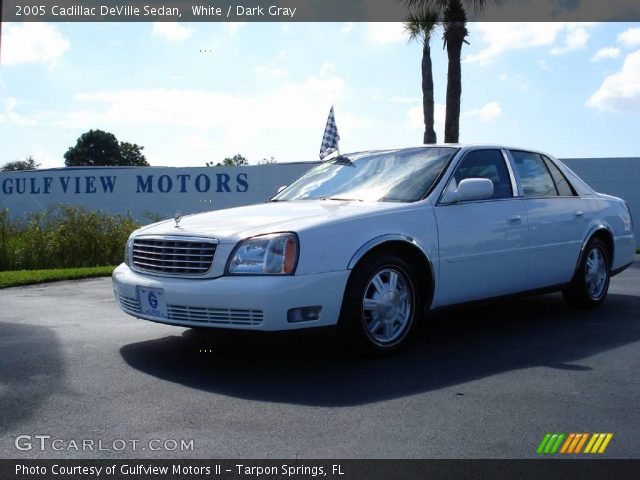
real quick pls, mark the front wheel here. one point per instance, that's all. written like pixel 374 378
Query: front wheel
pixel 380 306
pixel 590 283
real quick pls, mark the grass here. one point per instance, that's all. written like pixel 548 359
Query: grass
pixel 30 277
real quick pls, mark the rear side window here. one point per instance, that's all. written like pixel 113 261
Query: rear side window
pixel 562 184
pixel 486 164
pixel 534 175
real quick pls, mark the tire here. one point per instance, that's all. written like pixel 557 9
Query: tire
pixel 590 283
pixel 381 303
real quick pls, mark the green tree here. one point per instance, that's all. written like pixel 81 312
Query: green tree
pixel 420 26
pixel 132 155
pixel 235 161
pixel 27 164
pixel 454 21
pixel 100 148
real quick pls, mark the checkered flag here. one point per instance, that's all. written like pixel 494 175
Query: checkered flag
pixel 331 137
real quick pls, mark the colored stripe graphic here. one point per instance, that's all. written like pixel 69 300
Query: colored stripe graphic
pixel 543 443
pixel 565 447
pixel 573 443
pixel 594 437
pixel 582 440
pixel 598 443
pixel 550 443
pixel 556 446
pixel 605 444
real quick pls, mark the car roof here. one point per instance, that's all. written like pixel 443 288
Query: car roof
pixel 461 146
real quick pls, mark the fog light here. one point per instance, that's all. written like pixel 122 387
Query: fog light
pixel 304 314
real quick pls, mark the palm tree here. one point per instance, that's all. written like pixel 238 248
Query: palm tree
pixel 455 34
pixel 420 25
pixel 454 21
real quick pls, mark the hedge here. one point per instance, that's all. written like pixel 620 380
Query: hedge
pixel 63 237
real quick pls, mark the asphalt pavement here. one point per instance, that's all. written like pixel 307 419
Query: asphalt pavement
pixel 476 382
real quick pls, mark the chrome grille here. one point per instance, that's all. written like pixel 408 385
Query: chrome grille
pixel 173 255
pixel 129 305
pixel 221 316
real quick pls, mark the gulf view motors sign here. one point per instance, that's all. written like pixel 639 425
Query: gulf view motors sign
pixel 156 190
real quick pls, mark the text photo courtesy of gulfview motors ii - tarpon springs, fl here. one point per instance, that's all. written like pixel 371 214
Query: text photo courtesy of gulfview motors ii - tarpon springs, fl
pixel 349 239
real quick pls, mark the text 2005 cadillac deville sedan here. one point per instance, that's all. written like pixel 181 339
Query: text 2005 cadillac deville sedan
pixel 371 241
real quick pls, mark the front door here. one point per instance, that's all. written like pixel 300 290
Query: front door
pixel 482 244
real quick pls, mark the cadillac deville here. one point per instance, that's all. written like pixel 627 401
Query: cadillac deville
pixel 370 242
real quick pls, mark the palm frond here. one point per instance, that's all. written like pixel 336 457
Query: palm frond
pixel 475 6
pixel 421 23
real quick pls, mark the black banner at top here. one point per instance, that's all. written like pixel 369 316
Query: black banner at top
pixel 308 10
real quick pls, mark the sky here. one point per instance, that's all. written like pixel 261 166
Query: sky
pixel 200 92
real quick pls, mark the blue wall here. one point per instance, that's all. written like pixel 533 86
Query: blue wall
pixel 615 176
pixel 165 190
pixel 158 190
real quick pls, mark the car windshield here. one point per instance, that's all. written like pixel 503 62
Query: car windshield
pixel 387 176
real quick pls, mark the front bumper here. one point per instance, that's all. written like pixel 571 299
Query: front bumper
pixel 235 302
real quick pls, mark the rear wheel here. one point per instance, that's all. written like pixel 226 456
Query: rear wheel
pixel 380 304
pixel 590 283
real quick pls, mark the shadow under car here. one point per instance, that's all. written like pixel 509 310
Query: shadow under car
pixel 453 347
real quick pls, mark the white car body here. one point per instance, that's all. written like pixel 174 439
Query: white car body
pixel 473 250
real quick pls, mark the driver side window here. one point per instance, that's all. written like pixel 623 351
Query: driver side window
pixel 486 164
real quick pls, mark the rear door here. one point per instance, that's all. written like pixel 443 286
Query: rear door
pixel 482 243
pixel 557 219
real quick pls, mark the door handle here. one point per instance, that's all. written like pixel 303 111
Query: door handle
pixel 578 213
pixel 514 220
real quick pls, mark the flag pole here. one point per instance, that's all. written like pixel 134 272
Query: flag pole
pixel 338 141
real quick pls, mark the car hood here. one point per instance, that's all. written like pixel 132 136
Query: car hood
pixel 233 224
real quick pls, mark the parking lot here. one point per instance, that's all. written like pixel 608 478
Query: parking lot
pixel 475 382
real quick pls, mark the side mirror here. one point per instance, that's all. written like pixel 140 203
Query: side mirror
pixel 470 189
pixel 281 188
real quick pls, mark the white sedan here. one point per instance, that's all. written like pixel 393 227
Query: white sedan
pixel 370 242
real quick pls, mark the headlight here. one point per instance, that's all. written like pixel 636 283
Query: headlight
pixel 273 254
pixel 127 250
